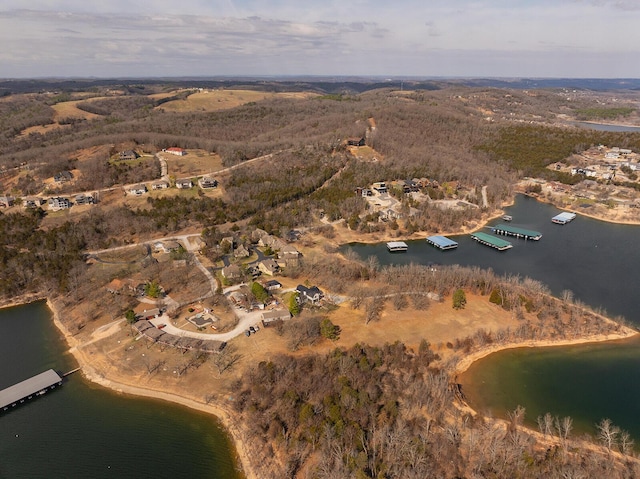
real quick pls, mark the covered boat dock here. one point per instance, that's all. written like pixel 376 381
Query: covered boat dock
pixel 442 242
pixel 489 240
pixel 563 218
pixel 29 388
pixel 509 230
pixel 397 246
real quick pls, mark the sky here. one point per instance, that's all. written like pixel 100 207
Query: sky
pixel 410 38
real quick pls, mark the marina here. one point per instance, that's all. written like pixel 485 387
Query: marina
pixel 563 218
pixel 492 241
pixel 508 230
pixel 442 242
pixel 397 246
pixel 29 388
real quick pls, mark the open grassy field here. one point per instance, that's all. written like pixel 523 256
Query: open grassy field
pixel 69 109
pixel 214 100
pixel 194 163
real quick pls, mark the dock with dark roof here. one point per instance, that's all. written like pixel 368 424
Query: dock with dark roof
pixel 509 230
pixel 442 242
pixel 489 240
pixel 29 389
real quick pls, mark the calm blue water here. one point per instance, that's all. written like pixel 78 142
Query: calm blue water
pixel 84 431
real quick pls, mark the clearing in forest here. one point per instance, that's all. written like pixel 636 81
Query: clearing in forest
pixel 215 100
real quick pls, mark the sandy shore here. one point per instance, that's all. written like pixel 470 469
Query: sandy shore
pixel 224 416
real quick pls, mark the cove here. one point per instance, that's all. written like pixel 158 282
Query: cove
pixel 599 263
pixel 82 430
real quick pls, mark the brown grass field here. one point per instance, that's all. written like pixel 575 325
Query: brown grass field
pixel 194 163
pixel 215 100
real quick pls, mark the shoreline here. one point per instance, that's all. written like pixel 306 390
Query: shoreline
pixel 225 418
pixel 466 362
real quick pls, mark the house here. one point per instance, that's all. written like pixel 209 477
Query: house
pixel 589 173
pixel 167 246
pixel 236 297
pixel 137 190
pixel 6 201
pixel 231 272
pixel 128 155
pixel 207 182
pixel 159 185
pixel 272 285
pixel 63 177
pixel 311 295
pixel 174 150
pixel 289 252
pixel 355 141
pixel 269 266
pixel 59 203
pixel 380 187
pixel 33 202
pixel 229 240
pixel 241 252
pixel 83 199
pixel 273 316
pixel 184 183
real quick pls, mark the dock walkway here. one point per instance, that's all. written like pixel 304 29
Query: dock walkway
pixel 489 240
pixel 509 230
pixel 29 388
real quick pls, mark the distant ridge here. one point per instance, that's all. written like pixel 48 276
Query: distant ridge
pixel 322 84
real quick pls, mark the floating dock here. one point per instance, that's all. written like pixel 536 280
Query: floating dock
pixel 397 246
pixel 29 388
pixel 509 230
pixel 442 242
pixel 487 239
pixel 563 218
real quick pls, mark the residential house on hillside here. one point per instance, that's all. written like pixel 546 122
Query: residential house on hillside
pixel 33 202
pixel 272 285
pixel 241 252
pixel 207 182
pixel 232 272
pixel 63 177
pixel 274 316
pixel 268 266
pixel 166 246
pixel 6 201
pixel 355 141
pixel 137 190
pixel 174 150
pixel 128 155
pixel 59 203
pixel 83 199
pixel 184 183
pixel 159 185
pixel 309 295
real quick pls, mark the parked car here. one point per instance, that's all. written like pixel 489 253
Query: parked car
pixel 247 333
pixel 252 329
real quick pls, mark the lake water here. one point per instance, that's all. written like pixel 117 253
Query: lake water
pixel 591 258
pixel 599 263
pixel 84 431
pixel 606 127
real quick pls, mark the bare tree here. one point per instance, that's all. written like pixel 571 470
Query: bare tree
pixel 608 433
pixel 225 359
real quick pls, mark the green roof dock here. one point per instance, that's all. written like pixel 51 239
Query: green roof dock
pixel 489 240
pixel 509 230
